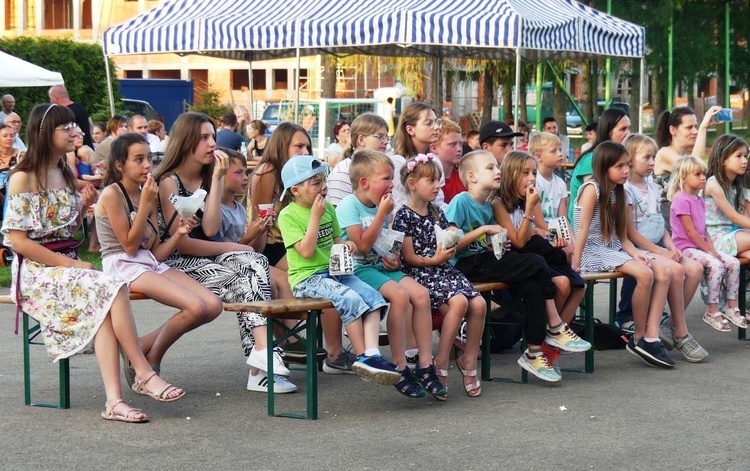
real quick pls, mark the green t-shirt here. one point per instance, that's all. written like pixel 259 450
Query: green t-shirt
pixel 580 171
pixel 293 222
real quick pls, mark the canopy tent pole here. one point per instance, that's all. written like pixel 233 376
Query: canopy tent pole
pixel 539 78
pixel 250 82
pixel 727 98
pixel 296 90
pixel 640 95
pixel 110 93
pixel 608 71
pixel 670 57
pixel 517 108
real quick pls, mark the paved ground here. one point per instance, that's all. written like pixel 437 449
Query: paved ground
pixel 624 416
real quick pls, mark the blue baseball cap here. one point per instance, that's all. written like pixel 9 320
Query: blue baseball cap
pixel 298 169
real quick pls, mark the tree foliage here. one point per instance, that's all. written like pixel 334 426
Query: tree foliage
pixel 81 65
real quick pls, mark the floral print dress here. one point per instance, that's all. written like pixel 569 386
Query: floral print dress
pixel 442 281
pixel 70 304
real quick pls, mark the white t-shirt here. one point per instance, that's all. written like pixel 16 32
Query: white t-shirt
pixel 551 192
pixel 338 182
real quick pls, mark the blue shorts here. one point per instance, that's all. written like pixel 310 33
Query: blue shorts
pixel 351 296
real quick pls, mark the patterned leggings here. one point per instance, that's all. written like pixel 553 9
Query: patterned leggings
pixel 725 268
pixel 234 277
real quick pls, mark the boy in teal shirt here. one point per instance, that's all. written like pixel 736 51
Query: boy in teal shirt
pixel 309 229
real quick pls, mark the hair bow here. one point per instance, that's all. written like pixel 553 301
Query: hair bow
pixel 419 159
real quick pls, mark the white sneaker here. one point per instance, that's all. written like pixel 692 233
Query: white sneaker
pixel 258 359
pixel 259 383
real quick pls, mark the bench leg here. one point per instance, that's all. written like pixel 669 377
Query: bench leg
pixel 312 365
pixel 588 319
pixel 486 374
pixel 29 333
pixel 742 300
pixel 612 300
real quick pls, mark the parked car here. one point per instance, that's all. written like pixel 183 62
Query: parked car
pixel 142 108
pixel 276 113
pixel 573 121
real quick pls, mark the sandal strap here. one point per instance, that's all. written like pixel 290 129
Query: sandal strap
pixel 164 394
pixel 429 379
pixel 473 386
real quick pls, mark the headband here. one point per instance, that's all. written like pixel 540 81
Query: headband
pixel 721 153
pixel 419 159
pixel 41 123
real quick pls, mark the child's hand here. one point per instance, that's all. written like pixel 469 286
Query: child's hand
pixel 386 203
pixel 89 195
pixel 351 247
pixel 441 255
pixel 183 226
pixel 491 229
pixel 532 198
pixel 560 243
pixel 391 263
pixel 150 191
pixel 81 264
pixel 261 224
pixel 221 164
pixel 318 208
pixel 642 258
pixel 714 254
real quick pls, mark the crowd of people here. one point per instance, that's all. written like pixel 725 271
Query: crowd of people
pixel 462 210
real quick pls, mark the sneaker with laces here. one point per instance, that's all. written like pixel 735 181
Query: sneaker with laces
pixel 342 365
pixel 566 339
pixel 295 352
pixel 538 366
pixel 666 335
pixel 258 359
pixel 628 327
pixel 259 383
pixel 691 349
pixel 653 353
pixel 376 369
pixel 553 356
pixel 412 362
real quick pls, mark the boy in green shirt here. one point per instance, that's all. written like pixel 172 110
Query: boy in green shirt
pixel 309 229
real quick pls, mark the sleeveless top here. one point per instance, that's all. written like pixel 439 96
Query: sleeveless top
pixel 258 151
pixel 164 226
pixel 107 238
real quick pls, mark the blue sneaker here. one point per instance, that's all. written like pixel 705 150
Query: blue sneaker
pixel 376 369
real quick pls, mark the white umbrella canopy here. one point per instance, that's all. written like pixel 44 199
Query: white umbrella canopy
pixel 15 72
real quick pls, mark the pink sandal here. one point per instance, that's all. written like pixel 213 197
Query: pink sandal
pixel 717 321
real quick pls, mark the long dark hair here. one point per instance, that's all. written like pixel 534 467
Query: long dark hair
pixel 276 152
pixel 402 141
pixel 723 147
pixel 614 218
pixel 607 123
pixel 40 132
pixel 183 140
pixel 668 119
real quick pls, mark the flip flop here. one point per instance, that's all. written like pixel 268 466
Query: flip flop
pixel 110 414
pixel 139 387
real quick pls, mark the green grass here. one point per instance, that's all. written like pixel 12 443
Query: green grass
pixel 83 253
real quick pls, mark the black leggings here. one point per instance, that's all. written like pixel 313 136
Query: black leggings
pixel 530 284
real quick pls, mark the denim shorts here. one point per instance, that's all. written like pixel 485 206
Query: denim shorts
pixel 351 296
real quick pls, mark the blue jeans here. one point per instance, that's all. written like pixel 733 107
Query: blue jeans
pixel 351 296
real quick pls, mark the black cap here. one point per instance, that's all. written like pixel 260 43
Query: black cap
pixel 496 129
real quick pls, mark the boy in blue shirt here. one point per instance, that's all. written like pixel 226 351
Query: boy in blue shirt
pixel 528 274
pixel 309 228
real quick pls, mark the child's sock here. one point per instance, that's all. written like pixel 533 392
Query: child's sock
pixel 411 352
pixel 557 328
pixel 535 350
pixel 650 339
pixel 371 352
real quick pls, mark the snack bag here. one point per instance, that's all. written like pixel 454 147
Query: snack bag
pixel 558 228
pixel 447 238
pixel 498 243
pixel 187 206
pixel 388 243
pixel 342 262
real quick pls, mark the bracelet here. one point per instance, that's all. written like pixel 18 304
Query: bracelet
pixel 529 217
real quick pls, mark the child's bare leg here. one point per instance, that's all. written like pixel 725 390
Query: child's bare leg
pixel 553 317
pixel 456 309
pixel 475 327
pixel 675 294
pixel 419 298
pixel 411 341
pixel 174 288
pixel 356 332
pixel 371 327
pixel 562 291
pixel 644 280
pixel 332 325
pixel 396 321
pixel 662 279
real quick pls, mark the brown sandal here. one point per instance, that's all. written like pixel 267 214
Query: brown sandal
pixel 139 387
pixel 110 414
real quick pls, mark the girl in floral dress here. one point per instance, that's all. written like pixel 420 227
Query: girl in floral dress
pixel 72 302
pixel 429 265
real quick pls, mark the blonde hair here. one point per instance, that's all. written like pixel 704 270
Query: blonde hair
pixel 365 163
pixel 363 125
pixel 681 168
pixel 540 140
pixel 512 171
pixel 636 143
pixel 449 127
pixel 468 164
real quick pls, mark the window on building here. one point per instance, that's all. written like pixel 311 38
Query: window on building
pixel 238 79
pixel 280 79
pixel 259 79
pixel 165 74
pixel 58 14
pixel 133 74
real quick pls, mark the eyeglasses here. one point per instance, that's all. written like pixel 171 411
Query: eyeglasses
pixel 434 123
pixel 66 127
pixel 380 137
pixel 80 134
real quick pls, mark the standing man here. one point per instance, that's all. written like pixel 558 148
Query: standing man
pixel 139 125
pixel 227 136
pixel 550 125
pixel 58 94
pixel 14 121
pixel 9 104
pixel 496 137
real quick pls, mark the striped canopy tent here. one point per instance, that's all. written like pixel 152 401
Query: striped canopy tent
pixel 481 29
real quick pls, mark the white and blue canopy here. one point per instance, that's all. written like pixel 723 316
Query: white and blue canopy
pixel 481 29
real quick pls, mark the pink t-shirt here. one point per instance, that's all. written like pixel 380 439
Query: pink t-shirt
pixel 693 206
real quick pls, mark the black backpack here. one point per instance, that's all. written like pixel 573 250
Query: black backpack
pixel 606 336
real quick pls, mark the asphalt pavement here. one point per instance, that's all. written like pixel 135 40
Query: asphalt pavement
pixel 626 415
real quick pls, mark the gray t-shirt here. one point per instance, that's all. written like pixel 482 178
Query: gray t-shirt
pixel 232 222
